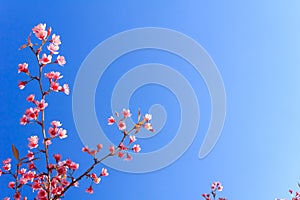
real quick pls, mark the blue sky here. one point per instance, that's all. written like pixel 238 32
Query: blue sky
pixel 256 46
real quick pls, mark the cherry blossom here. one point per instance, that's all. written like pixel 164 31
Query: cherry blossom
pixel 45 59
pixel 23 68
pixel 122 125
pixel 111 120
pixel 136 148
pixel 104 172
pixel 33 142
pixel 126 113
pixel 53 48
pixel 90 190
pixel 22 84
pixel 55 39
pixel 61 60
pixel 148 117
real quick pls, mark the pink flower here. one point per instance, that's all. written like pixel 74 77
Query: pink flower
pixel 62 133
pixel 89 190
pixel 30 155
pixel 45 59
pixel 122 146
pixel 33 142
pixel 111 120
pixel 128 157
pixel 1 172
pixel 24 120
pixel 148 126
pixel 132 139
pixel 136 148
pixel 47 142
pixel 7 167
pixel 65 89
pixel 32 113
pixel 148 117
pixel 38 28
pixel 40 31
pixel 54 86
pixel 6 198
pixel 42 194
pixel 30 98
pixel 99 147
pixel 57 157
pixel 126 113
pixel 122 125
pixel 41 105
pixel 104 172
pixel 53 48
pixel 11 184
pixel 23 68
pixel 55 39
pixel 56 123
pixel 85 149
pixel 120 154
pixel 95 178
pixel 22 84
pixel 112 150
pixel 17 196
pixel 61 60
pixel 7 161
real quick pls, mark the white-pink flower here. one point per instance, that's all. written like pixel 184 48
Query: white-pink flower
pixel 55 39
pixel 23 68
pixel 33 142
pixel 104 172
pixel 53 48
pixel 122 125
pixel 45 59
pixel 62 133
pixel 132 139
pixel 126 113
pixel 38 28
pixel 61 60
pixel 148 117
pixel 111 120
pixel 65 89
pixel 136 148
pixel 30 98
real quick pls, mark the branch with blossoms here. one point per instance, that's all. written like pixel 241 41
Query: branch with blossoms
pixel 57 176
pixel 215 186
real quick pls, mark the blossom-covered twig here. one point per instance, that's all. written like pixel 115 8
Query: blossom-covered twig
pixel 58 175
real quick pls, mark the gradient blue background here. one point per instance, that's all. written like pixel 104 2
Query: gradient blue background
pixel 256 46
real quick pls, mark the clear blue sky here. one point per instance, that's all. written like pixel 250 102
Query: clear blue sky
pixel 256 46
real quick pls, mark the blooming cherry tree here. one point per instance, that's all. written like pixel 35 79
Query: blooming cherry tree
pixel 58 175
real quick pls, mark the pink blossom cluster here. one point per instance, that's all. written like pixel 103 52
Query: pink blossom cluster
pixel 215 186
pixel 58 175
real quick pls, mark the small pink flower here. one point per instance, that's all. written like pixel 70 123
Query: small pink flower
pixel 99 147
pixel 111 120
pixel 95 178
pixel 61 60
pixel 45 59
pixel 53 48
pixel 6 198
pixel 128 157
pixel 112 150
pixel 7 167
pixel 22 84
pixel 30 155
pixel 17 196
pixel 54 86
pixel 122 125
pixel 33 142
pixel 7 161
pixel 47 142
pixel 41 105
pixel 104 172
pixel 56 123
pixel 120 154
pixel 55 39
pixel 24 120
pixel 30 98
pixel 42 194
pixel 126 113
pixel 148 117
pixel 148 126
pixel 11 184
pixel 132 139
pixel 62 133
pixel 23 68
pixel 57 157
pixel 85 149
pixel 89 190
pixel 1 172
pixel 65 89
pixel 136 148
pixel 38 28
